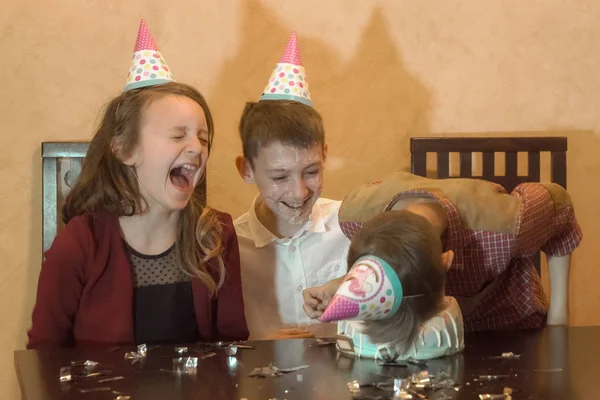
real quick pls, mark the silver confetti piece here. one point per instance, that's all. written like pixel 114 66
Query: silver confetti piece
pixel 401 384
pixel 421 379
pixel 353 386
pixel 181 350
pixel 185 365
pixel 137 355
pixel 232 351
pixel 272 371
pixel 96 389
pixel 294 369
pixel 244 346
pixel 116 378
pixel 491 377
pixel 65 374
pixel 142 349
pixel 207 355
pixel 86 363
pixel 508 356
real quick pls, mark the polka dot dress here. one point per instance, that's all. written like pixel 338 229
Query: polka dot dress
pixel 163 302
pixel 161 269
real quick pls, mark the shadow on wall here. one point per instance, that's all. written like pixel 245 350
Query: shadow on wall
pixel 376 106
pixel 371 105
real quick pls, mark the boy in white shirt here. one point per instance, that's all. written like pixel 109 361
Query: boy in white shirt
pixel 290 239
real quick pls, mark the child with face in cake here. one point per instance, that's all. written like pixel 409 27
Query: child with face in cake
pixel 392 302
pixel 493 236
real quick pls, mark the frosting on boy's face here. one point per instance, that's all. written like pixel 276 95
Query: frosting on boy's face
pixel 289 179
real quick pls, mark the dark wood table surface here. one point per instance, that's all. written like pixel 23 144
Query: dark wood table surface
pixel 555 363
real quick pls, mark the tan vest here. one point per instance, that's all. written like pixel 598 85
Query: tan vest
pixel 480 204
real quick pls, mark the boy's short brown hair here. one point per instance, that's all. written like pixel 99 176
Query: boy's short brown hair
pixel 409 244
pixel 285 121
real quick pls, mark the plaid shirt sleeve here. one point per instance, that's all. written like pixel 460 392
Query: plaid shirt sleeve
pixel 543 223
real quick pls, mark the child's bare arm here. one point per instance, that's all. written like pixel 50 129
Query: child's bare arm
pixel 559 267
pixel 547 222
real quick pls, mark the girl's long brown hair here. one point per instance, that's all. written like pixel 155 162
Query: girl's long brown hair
pixel 106 184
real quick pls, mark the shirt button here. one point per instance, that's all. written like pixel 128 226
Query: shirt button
pixel 336 268
pixel 293 248
pixel 299 288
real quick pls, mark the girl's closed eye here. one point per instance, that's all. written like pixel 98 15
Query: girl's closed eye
pixel 178 133
pixel 203 137
pixel 278 178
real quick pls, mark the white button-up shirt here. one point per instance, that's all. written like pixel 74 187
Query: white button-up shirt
pixel 276 271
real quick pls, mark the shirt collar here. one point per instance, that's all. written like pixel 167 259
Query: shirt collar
pixel 262 236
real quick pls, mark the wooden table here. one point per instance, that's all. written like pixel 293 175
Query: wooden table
pixel 555 363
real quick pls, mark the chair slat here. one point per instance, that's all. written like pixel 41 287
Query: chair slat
pixel 533 166
pixel 443 165
pixel 488 147
pixel 495 145
pixel 419 164
pixel 559 168
pixel 488 165
pixel 466 167
pixel 50 201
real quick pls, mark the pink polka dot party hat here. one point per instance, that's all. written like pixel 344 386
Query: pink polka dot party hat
pixel 148 67
pixel 288 80
pixel 370 291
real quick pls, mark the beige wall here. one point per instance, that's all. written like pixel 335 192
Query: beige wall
pixel 380 71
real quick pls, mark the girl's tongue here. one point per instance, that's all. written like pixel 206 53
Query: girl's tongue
pixel 182 177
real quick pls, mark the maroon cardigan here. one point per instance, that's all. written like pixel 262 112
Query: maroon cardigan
pixel 85 290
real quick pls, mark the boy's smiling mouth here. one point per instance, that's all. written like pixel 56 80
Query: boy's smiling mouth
pixel 294 206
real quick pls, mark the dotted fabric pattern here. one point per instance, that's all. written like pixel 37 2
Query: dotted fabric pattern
pixel 288 79
pixel 148 66
pixel 341 309
pixel 376 302
pixel 155 270
pixel 291 55
pixel 145 40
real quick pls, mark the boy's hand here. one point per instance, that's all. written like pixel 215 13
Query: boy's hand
pixel 317 298
pixel 290 333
